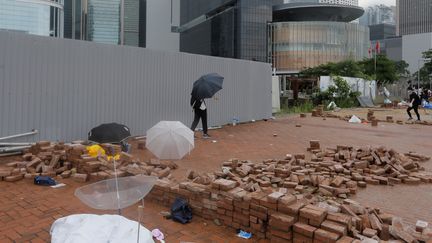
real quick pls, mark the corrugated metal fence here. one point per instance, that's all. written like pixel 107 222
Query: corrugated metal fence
pixel 64 87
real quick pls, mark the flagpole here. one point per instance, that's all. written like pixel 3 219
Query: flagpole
pixel 375 64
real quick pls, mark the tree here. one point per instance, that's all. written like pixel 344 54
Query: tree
pixel 347 68
pixel 402 68
pixel 426 69
pixel 321 70
pixel 385 71
pixel 339 92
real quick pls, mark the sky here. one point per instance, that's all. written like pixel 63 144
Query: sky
pixel 365 3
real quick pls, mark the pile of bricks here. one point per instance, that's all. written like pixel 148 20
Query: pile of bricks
pixel 72 160
pixel 280 216
pixel 302 199
pixel 328 172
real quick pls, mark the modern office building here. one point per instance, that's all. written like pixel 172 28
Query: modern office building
pixel 35 17
pixel 144 23
pixel 75 19
pixel 226 28
pixel 390 44
pixel 378 14
pixel 291 36
pixel 103 25
pixel 414 16
pixel 382 31
pixel 306 35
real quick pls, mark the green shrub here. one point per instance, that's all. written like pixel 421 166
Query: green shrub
pixel 340 93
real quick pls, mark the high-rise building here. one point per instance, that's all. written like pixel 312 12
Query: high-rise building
pixel 414 16
pixel 75 19
pixel 32 16
pixel 307 35
pixel 292 36
pixel 378 14
pixel 236 29
pixel 382 31
pixel 146 23
pixel 103 23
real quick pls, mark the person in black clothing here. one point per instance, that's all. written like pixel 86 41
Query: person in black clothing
pixel 200 110
pixel 414 104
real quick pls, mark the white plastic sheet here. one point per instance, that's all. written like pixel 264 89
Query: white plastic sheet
pixel 354 119
pixel 90 228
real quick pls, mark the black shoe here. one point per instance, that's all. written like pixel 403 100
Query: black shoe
pixel 206 135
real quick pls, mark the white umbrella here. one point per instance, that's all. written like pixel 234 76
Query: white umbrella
pixel 170 140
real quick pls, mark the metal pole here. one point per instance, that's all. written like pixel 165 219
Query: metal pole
pixel 10 154
pixel 418 77
pixel 13 149
pixel 16 144
pixel 20 135
pixel 122 22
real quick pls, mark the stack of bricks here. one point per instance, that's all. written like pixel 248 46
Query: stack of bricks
pixel 318 111
pixel 72 160
pixel 370 115
pixel 283 217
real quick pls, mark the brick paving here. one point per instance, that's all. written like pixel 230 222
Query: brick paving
pixel 27 211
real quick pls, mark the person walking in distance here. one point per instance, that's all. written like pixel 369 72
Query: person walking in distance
pixel 414 104
pixel 200 111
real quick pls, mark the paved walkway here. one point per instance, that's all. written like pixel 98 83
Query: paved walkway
pixel 27 211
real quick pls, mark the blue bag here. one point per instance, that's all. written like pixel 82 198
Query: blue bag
pixel 180 211
pixel 44 181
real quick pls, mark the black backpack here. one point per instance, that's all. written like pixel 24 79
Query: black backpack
pixel 180 211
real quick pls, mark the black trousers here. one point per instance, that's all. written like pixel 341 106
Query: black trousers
pixel 415 108
pixel 200 114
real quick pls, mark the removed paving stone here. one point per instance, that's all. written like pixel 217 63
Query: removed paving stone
pixel 72 160
pixel 304 198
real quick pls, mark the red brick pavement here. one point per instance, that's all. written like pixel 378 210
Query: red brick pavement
pixel 27 211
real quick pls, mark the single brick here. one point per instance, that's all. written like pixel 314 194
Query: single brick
pixel 304 229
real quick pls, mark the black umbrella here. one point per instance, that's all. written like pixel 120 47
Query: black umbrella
pixel 109 133
pixel 207 85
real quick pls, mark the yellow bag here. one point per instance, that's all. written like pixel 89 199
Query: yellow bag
pixel 95 150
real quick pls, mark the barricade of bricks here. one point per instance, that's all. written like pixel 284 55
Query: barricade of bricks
pixel 72 160
pixel 284 217
pixel 302 199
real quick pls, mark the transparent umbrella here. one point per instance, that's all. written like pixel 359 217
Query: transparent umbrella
pixel 117 193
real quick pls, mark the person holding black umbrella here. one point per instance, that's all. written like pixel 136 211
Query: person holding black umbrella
pixel 200 111
pixel 205 87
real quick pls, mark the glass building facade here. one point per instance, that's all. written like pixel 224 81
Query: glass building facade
pixel 74 19
pixel 226 28
pixel 100 21
pixel 103 21
pixel 299 45
pixel 33 17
